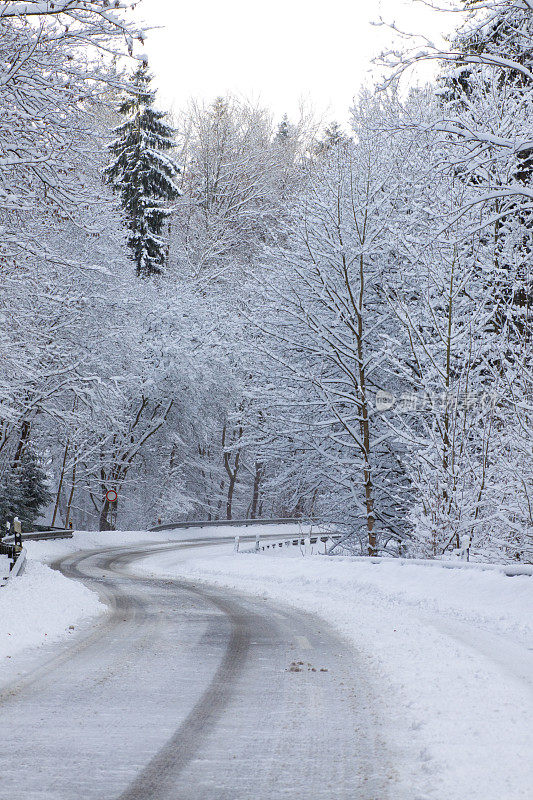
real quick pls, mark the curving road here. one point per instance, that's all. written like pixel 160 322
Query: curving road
pixel 190 693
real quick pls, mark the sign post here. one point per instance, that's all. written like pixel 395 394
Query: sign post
pixel 112 497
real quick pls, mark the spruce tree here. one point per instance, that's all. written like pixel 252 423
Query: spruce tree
pixel 333 136
pixel 144 174
pixel 23 491
pixel 477 96
pixel 285 131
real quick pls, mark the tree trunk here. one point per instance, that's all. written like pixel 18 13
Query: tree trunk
pixel 365 422
pixel 229 502
pixel 60 486
pixel 105 525
pixel 71 495
pixel 256 489
pixel 24 437
pixel 232 473
pixel 299 507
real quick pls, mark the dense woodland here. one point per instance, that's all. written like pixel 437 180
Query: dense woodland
pixel 226 315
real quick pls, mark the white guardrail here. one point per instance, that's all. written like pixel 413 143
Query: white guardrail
pixel 301 540
pixel 306 541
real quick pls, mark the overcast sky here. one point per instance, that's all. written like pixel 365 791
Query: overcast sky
pixel 277 51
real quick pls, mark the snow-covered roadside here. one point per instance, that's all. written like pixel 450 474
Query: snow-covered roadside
pixel 4 567
pixel 39 607
pixel 88 540
pixel 450 654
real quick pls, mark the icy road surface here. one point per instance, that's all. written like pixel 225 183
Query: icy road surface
pixel 191 693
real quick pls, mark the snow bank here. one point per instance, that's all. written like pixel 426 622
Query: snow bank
pixel 39 607
pixel 4 567
pixel 450 654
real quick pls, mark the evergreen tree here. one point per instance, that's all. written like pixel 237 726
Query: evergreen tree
pixel 285 131
pixel 23 491
pixel 333 136
pixel 143 174
pixel 488 89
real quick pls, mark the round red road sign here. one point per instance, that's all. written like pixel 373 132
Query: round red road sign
pixel 111 496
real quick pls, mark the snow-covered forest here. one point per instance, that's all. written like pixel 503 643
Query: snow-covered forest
pixel 225 315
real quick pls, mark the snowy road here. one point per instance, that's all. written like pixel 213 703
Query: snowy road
pixel 184 691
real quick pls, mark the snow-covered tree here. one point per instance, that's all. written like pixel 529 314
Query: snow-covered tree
pixel 24 490
pixel 228 205
pixel 286 131
pixel 481 132
pixel 332 137
pixel 325 341
pixel 145 174
pixel 50 208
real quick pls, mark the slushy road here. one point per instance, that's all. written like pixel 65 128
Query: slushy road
pixel 189 692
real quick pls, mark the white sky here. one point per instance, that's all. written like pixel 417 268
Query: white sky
pixel 277 52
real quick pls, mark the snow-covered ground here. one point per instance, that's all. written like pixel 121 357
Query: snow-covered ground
pixel 450 652
pixel 87 540
pixel 39 607
pixel 4 566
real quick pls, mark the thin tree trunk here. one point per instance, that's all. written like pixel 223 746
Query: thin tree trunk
pixel 104 522
pixel 24 437
pixel 60 486
pixel 299 507
pixel 232 473
pixel 71 495
pixel 365 422
pixel 229 502
pixel 104 511
pixel 447 499
pixel 256 489
pixel 231 485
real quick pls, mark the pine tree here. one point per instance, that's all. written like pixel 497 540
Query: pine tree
pixel 23 490
pixel 488 89
pixel 285 131
pixel 143 174
pixel 333 136
pixel 33 487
